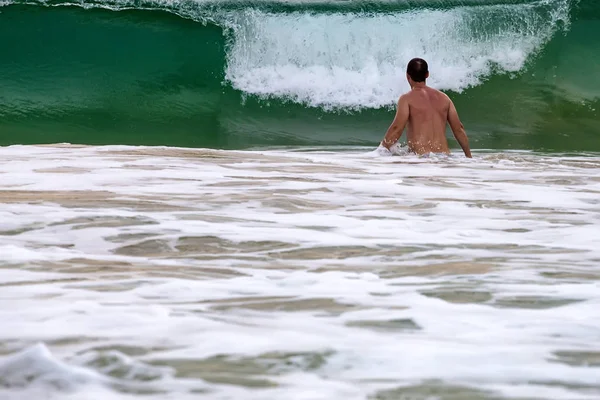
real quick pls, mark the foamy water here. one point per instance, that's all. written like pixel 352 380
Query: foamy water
pixel 162 273
pixel 356 60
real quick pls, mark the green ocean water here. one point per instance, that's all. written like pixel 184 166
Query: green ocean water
pixel 232 75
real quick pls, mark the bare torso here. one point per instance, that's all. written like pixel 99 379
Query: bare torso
pixel 426 112
pixel 427 120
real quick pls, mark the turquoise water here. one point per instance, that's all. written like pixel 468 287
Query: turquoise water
pixel 524 75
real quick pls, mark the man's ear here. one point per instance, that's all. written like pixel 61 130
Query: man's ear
pixel 427 76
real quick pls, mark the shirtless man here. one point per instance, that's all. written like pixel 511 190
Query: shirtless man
pixel 426 111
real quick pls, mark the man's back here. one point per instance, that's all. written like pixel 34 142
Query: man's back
pixel 427 120
pixel 426 112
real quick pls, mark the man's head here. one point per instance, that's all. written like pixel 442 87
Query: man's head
pixel 417 70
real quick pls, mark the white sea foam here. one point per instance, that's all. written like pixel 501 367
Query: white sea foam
pixel 356 60
pixel 170 273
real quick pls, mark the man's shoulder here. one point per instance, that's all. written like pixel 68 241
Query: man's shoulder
pixel 438 92
pixel 441 98
pixel 406 97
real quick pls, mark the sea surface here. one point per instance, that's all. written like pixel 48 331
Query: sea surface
pixel 193 204
pixel 238 74
pixel 171 273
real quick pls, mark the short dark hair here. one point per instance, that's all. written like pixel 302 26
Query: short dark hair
pixel 417 69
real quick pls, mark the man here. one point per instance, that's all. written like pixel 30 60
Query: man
pixel 426 111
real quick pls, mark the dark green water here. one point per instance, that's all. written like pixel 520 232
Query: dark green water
pixel 193 74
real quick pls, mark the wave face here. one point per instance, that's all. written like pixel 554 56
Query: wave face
pixel 354 60
pixel 523 74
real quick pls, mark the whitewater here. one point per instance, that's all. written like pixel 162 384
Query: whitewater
pixel 171 273
pixel 355 60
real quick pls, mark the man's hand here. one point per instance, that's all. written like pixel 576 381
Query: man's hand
pixel 395 130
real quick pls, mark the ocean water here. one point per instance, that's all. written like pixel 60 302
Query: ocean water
pixel 193 204
pixel 172 273
pixel 241 74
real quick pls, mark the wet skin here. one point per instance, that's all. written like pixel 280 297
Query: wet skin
pixel 425 112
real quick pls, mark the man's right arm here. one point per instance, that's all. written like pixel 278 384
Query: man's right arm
pixel 458 130
pixel 398 124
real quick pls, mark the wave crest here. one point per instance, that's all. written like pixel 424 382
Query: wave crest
pixel 349 60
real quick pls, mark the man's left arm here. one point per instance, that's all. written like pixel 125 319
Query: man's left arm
pixel 395 130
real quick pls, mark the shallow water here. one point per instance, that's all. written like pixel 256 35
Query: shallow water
pixel 166 273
